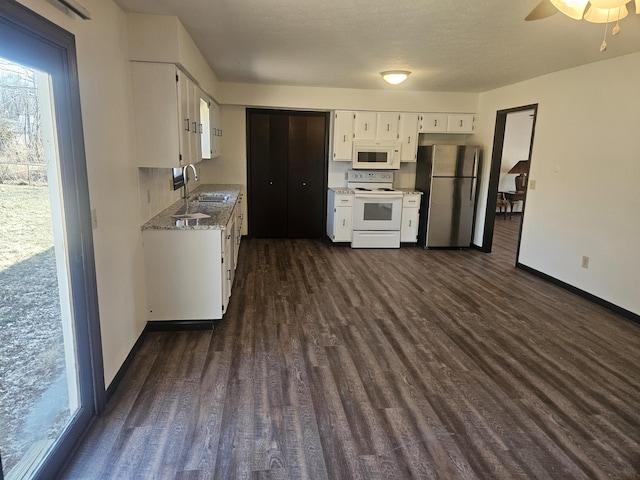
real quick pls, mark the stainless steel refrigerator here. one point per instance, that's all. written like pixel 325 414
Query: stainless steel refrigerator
pixel 447 176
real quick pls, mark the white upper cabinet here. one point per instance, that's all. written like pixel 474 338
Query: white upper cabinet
pixel 365 125
pixel 216 131
pixel 387 126
pixel 433 122
pixel 167 116
pixel 408 137
pixel 205 122
pixel 392 126
pixel 460 123
pixel 446 123
pixel 191 131
pixel 343 122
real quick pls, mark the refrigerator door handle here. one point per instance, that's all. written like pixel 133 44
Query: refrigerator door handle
pixel 475 163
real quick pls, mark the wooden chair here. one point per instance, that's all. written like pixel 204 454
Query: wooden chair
pixel 501 203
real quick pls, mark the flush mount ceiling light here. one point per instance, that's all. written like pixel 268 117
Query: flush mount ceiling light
pixel 594 11
pixel 394 77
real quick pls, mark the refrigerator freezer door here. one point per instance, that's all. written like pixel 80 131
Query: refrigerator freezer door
pixel 454 161
pixel 450 217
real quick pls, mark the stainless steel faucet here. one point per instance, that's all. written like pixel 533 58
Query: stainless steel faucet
pixel 185 176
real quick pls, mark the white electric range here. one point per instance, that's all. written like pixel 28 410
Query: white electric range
pixel 377 209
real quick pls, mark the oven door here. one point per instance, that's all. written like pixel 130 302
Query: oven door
pixel 377 212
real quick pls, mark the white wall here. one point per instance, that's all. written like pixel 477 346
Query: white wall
pixel 586 164
pixel 106 99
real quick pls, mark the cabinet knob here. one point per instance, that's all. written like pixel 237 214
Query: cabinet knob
pixel 270 183
pixel 304 184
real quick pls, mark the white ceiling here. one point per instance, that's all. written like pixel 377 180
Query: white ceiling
pixel 449 45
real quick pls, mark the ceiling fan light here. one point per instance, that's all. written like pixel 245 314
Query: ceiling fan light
pixel 394 77
pixel 605 15
pixel 607 4
pixel 572 8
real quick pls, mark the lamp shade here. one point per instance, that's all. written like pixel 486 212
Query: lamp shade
pixel 394 77
pixel 608 3
pixel 572 8
pixel 605 15
pixel 521 167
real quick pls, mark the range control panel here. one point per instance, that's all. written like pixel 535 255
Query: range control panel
pixel 372 176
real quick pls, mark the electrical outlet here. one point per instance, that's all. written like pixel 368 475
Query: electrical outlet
pixel 585 262
pixel 532 184
pixel 94 219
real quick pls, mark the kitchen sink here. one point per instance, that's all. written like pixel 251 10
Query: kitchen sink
pixel 190 216
pixel 213 197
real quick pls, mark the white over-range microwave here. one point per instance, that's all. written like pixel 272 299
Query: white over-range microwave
pixel 376 154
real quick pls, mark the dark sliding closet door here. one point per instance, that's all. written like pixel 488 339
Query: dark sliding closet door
pixel 287 155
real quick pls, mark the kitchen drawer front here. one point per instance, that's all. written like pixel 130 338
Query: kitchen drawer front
pixel 409 201
pixel 346 201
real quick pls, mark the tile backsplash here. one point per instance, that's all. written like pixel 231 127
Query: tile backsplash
pixel 156 191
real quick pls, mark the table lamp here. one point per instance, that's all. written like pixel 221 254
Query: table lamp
pixel 521 168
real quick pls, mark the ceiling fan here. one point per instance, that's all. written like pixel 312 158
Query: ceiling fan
pixel 595 11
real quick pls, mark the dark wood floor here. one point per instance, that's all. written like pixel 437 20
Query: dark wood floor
pixel 335 363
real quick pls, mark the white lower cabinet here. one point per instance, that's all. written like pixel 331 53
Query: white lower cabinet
pixel 184 272
pixel 190 273
pixel 410 218
pixel 339 216
pixel 228 262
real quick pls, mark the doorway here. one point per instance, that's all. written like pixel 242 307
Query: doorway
pixel 50 352
pixel 508 178
pixel 287 154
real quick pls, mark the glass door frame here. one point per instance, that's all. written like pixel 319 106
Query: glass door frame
pixel 33 41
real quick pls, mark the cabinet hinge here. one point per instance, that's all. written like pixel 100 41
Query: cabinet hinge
pixel 222 260
pixel 177 78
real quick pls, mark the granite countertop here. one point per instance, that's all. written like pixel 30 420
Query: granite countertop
pixel 342 190
pixel 410 191
pixel 217 214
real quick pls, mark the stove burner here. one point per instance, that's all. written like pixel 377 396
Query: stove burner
pixel 386 189
pixel 363 189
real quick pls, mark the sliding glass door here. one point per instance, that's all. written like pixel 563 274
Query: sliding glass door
pixel 50 359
